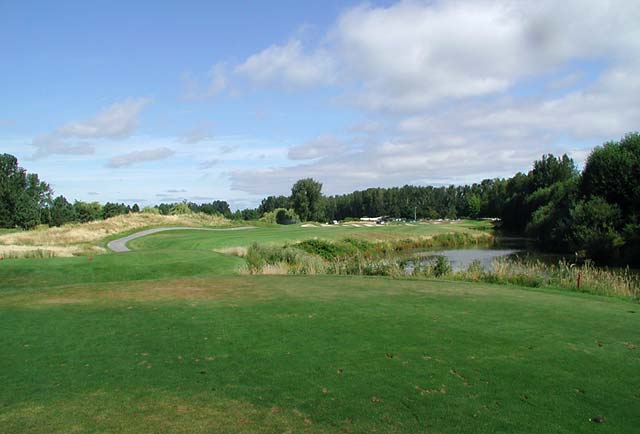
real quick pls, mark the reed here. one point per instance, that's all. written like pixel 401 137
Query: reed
pixel 562 275
pixel 389 258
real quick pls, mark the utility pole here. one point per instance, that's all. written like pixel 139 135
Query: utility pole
pixel 415 213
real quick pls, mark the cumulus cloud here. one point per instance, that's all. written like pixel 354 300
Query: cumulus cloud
pixel 444 79
pixel 319 147
pixel 289 66
pixel 137 157
pixel 394 163
pixel 117 121
pixel 414 54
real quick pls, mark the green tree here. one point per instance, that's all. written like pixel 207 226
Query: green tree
pixel 551 220
pixel 87 211
pixel 181 208
pixel 114 209
pixel 250 214
pixel 612 172
pixel 593 229
pixel 23 197
pixel 306 198
pixel 271 203
pixel 472 207
pixel 27 213
pixel 61 211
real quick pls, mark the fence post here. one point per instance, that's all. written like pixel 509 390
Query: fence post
pixel 579 279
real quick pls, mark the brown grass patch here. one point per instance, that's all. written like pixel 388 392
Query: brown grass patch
pixel 152 411
pixel 140 291
pixel 234 251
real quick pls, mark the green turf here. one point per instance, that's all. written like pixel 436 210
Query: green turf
pixel 190 240
pixel 167 339
pixel 185 253
pixel 273 353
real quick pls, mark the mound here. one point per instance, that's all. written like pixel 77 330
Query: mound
pixel 77 238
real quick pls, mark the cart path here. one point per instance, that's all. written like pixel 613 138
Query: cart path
pixel 120 245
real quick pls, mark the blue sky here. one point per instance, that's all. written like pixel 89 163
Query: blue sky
pixel 161 101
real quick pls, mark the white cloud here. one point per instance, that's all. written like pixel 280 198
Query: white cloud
pixel 114 122
pixel 289 66
pixel 117 121
pixel 319 147
pixel 442 78
pixel 217 82
pixel 414 54
pixel 143 156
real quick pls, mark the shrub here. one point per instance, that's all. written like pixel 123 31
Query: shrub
pixel 441 267
pixel 281 216
pixel 180 209
pixel 151 210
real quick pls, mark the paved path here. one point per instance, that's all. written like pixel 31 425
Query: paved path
pixel 120 245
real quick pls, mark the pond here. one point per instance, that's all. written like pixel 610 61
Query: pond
pixel 461 258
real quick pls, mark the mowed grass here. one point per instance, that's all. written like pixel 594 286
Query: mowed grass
pixel 315 354
pixel 167 339
pixel 186 240
pixel 188 253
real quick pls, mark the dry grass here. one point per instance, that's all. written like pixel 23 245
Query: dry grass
pixel 156 411
pixel 13 251
pixel 276 269
pixel 76 238
pixel 240 252
pixel 595 280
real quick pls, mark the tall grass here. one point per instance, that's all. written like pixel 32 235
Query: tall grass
pixel 388 258
pixel 562 275
pixel 286 260
pixel 15 252
pixel 349 256
pixel 72 239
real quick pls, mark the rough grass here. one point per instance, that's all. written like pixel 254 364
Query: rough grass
pixel 564 275
pixel 78 238
pixel 21 251
pixel 349 256
pixel 315 354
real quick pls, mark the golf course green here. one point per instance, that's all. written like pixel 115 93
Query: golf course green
pixel 170 338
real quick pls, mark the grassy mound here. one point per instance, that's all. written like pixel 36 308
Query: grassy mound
pixel 81 238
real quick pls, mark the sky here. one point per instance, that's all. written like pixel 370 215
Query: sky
pixel 147 102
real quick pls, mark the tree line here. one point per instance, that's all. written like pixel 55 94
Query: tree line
pixel 26 202
pixel 596 211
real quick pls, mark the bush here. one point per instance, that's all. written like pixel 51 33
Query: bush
pixel 181 208
pixel 593 228
pixel 151 210
pixel 326 249
pixel 442 267
pixel 280 216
